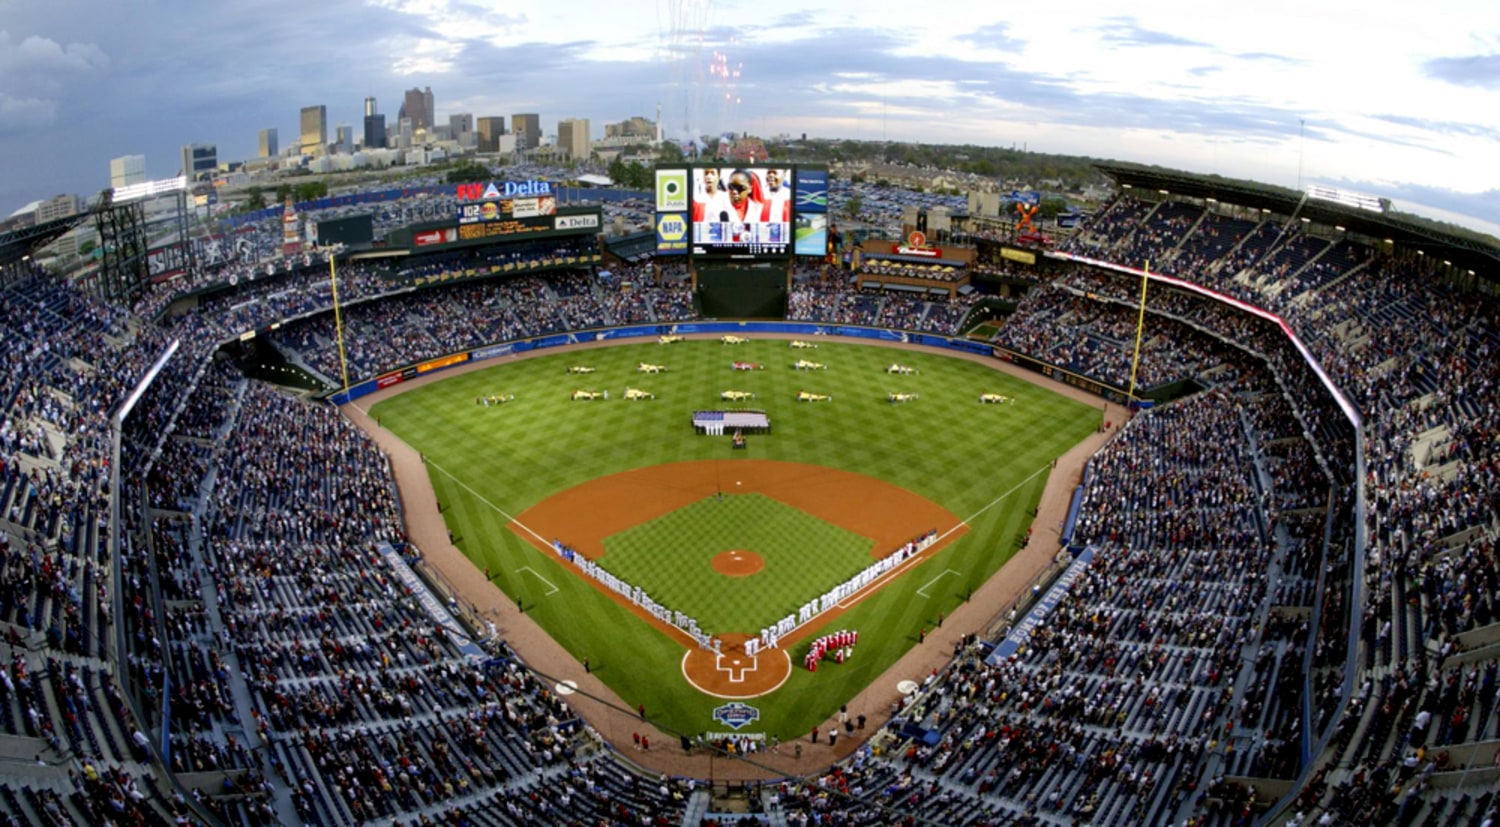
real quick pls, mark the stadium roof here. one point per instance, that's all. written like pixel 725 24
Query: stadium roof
pixel 1466 249
pixel 18 244
pixel 634 247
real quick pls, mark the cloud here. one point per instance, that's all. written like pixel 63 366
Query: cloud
pixel 40 55
pixel 1482 71
pixel 994 36
pixel 1124 31
pixel 1267 57
pixel 1451 128
pixel 20 114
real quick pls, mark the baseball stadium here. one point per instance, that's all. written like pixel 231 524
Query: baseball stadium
pixel 539 540
pixel 435 502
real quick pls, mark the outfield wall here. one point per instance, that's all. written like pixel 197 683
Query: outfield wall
pixel 395 377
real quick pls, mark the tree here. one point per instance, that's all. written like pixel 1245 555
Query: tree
pixel 468 172
pixel 255 199
pixel 670 152
pixel 637 177
pixel 309 190
pixel 853 205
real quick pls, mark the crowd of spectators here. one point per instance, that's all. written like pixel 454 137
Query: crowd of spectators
pixel 824 300
pixel 1058 324
pixel 389 334
pixel 268 637
pixel 1414 354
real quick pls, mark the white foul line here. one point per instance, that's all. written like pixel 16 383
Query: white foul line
pixel 498 509
pixel 995 501
pixel 874 585
pixel 923 591
pixel 555 590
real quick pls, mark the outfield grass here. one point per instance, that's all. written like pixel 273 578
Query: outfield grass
pixel 986 463
pixel 804 557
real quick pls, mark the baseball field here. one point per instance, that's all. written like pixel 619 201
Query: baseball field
pixel 736 539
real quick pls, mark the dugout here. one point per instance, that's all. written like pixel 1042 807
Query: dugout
pixel 742 291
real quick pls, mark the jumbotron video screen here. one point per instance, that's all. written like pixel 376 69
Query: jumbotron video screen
pixel 741 211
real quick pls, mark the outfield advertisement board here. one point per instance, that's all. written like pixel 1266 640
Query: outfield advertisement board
pixel 672 190
pixel 446 361
pixel 516 226
pixel 812 190
pixel 444 235
pixel 486 211
pixel 577 222
pixel 671 234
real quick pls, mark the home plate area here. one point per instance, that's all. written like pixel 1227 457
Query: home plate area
pixel 730 673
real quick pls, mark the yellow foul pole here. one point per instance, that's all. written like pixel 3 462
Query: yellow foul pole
pixel 338 322
pixel 1140 326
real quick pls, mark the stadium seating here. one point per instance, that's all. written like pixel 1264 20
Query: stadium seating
pixel 275 665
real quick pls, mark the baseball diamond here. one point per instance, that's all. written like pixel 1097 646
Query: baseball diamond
pixel 647 504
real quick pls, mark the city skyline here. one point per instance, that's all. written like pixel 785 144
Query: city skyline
pixel 1278 92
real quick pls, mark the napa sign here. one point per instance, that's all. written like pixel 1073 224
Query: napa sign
pixel 509 189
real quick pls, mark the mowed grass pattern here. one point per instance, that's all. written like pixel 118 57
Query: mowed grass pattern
pixel 986 463
pixel 671 558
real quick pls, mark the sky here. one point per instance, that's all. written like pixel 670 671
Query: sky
pixel 1398 101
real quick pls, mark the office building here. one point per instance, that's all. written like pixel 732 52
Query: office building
pixel 314 130
pixel 417 104
pixel 461 128
pixel 490 130
pixel 528 130
pixel 374 131
pixel 370 109
pixel 127 170
pixel 344 136
pixel 573 138
pixel 270 145
pixel 636 127
pixel 200 161
pixel 58 206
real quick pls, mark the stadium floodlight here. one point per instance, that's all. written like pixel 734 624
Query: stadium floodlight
pixel 1126 187
pixel 1340 229
pixel 149 189
pixel 1306 220
pixel 1357 200
pixel 1164 192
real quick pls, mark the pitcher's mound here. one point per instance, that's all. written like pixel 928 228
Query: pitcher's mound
pixel 737 563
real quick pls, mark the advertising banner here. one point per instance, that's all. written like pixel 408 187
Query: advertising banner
pixel 443 362
pixel 671 234
pixel 812 190
pixel 671 190
pixel 578 222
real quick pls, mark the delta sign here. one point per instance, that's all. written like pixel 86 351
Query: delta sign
pixel 508 189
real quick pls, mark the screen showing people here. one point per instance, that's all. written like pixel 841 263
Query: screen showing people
pixel 742 210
